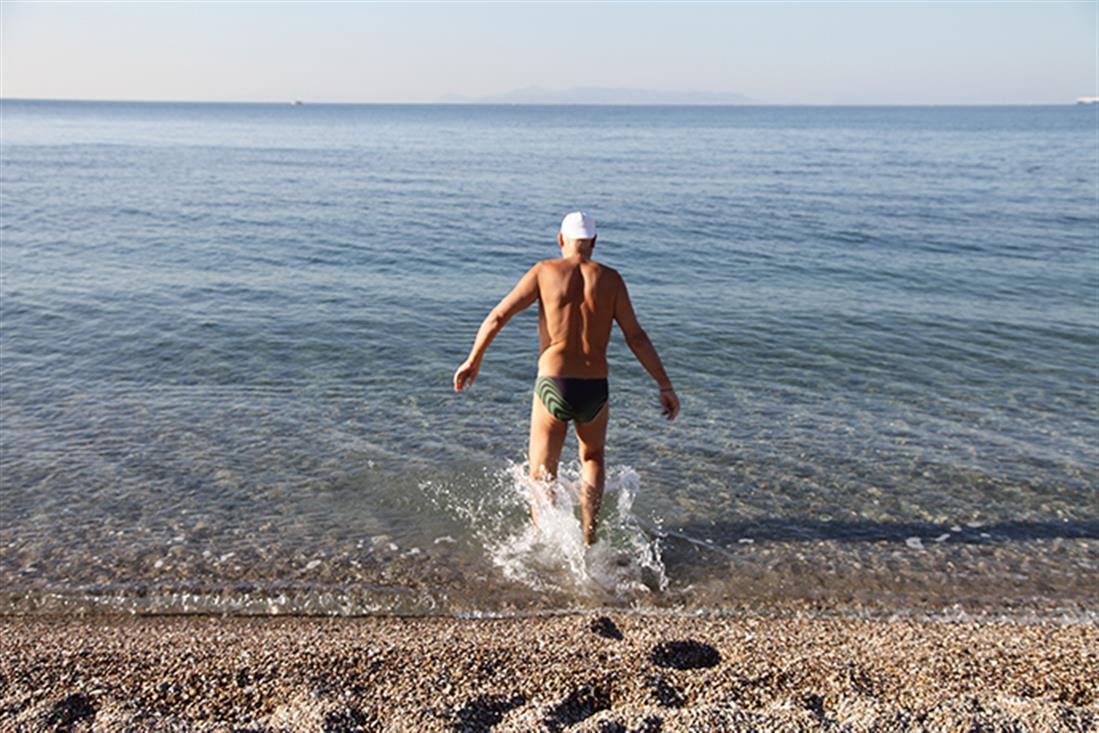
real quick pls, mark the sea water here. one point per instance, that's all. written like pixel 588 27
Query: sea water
pixel 227 335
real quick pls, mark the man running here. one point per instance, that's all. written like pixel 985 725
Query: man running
pixel 577 300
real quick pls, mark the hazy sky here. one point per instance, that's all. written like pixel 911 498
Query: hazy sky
pixel 782 53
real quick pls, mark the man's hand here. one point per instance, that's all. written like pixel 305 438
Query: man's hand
pixel 669 402
pixel 465 375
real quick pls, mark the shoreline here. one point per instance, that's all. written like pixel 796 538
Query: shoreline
pixel 1030 612
pixel 600 671
pixel 978 605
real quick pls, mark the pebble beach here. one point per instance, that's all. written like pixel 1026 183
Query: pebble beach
pixel 581 672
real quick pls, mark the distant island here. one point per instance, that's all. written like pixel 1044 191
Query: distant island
pixel 599 95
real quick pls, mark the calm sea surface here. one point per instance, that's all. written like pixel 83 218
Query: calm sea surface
pixel 228 333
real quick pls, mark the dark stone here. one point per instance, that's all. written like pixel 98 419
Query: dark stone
pixel 814 703
pixel 480 714
pixel 606 628
pixel 580 705
pixel 665 694
pixel 68 711
pixel 689 654
pixel 651 724
pixel 345 721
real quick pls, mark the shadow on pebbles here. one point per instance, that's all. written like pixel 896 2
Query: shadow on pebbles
pixel 589 707
pixel 552 675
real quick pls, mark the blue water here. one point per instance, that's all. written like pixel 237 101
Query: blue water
pixel 228 331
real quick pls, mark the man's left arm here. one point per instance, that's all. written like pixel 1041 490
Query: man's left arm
pixel 520 298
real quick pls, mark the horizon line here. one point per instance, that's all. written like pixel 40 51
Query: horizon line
pixel 304 103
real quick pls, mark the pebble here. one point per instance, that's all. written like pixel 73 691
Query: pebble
pixel 746 672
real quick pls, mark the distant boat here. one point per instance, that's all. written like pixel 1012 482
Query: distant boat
pixel 1087 100
pixel 298 101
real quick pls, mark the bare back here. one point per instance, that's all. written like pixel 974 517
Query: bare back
pixel 576 306
pixel 579 301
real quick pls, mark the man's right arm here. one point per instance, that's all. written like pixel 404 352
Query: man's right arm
pixel 520 297
pixel 643 349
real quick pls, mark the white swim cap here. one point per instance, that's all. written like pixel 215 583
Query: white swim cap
pixel 578 225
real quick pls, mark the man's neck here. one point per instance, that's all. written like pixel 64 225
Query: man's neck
pixel 570 252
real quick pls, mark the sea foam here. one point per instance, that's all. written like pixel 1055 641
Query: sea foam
pixel 549 554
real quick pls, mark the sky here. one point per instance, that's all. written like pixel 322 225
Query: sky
pixel 771 52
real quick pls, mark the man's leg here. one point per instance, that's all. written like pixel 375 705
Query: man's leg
pixel 547 435
pixel 591 436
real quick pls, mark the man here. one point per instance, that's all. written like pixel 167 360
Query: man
pixel 578 299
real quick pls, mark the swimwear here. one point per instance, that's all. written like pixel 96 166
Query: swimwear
pixel 572 398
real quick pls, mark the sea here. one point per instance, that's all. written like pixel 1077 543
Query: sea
pixel 228 334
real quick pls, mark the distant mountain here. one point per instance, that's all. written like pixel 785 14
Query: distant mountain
pixel 599 95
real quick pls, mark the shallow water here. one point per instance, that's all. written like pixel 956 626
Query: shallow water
pixel 228 331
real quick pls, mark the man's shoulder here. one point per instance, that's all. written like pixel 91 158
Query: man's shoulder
pixel 556 263
pixel 610 273
pixel 609 270
pixel 596 266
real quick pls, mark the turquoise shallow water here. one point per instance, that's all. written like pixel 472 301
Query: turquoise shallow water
pixel 227 335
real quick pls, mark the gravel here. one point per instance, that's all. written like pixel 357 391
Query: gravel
pixel 602 674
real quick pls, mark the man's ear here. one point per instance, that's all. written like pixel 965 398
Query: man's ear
pixel 593 241
pixel 560 240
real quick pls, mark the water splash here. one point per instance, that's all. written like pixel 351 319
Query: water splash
pixel 549 555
